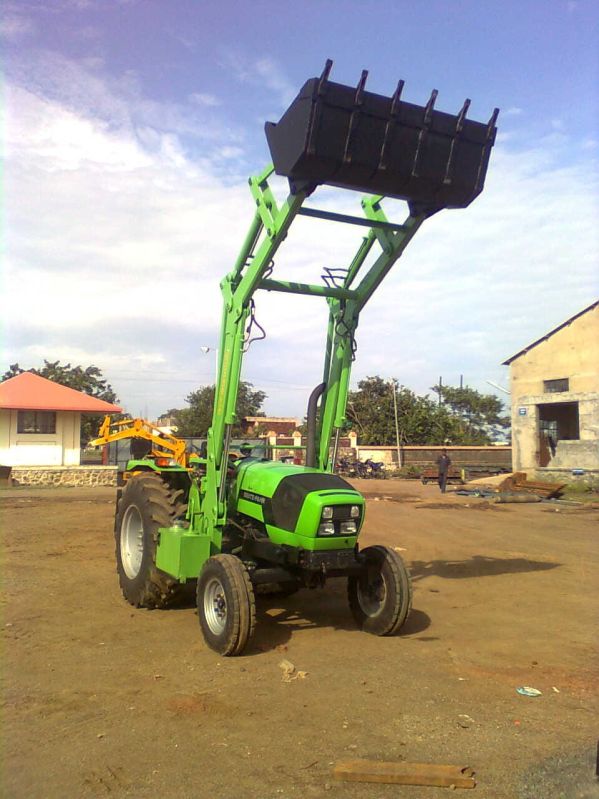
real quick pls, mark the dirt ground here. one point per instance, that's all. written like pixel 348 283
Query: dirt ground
pixel 102 700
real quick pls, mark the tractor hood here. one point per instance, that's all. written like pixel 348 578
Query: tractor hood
pixel 264 477
pixel 292 498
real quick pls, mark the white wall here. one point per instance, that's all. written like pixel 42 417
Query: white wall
pixel 32 449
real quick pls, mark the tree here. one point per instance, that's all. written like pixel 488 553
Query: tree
pixel 421 421
pixel 89 381
pixel 479 415
pixel 195 420
pixel 471 418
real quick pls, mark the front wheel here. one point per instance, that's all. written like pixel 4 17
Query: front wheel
pixel 226 604
pixel 380 598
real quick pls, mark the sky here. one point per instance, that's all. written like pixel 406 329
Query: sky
pixel 131 128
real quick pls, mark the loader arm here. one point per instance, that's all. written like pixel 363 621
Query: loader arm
pixel 344 317
pixel 238 289
pixel 250 274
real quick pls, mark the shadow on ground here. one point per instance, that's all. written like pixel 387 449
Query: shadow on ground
pixel 477 566
pixel 279 619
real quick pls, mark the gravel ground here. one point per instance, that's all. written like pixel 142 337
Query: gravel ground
pixel 100 699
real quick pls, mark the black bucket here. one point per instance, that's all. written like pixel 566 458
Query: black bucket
pixel 345 136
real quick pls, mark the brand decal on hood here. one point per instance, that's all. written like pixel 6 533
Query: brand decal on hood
pixel 251 497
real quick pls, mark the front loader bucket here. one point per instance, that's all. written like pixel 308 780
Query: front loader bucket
pixel 345 136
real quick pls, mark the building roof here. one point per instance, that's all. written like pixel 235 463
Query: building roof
pixel 263 419
pixel 551 332
pixel 30 392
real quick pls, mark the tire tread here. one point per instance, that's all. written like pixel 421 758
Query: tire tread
pixel 243 620
pixel 402 595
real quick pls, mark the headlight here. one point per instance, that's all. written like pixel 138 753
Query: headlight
pixel 327 512
pixel 355 512
pixel 326 528
pixel 348 528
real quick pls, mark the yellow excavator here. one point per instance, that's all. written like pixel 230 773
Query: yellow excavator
pixel 147 441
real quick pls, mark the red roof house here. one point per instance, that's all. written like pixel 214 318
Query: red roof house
pixel 40 421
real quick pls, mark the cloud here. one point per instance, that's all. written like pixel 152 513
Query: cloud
pixel 202 98
pixel 88 91
pixel 14 25
pixel 263 72
pixel 118 237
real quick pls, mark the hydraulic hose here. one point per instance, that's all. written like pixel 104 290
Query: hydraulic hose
pixel 311 438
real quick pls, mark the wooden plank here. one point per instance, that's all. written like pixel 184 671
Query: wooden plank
pixel 544 489
pixel 405 773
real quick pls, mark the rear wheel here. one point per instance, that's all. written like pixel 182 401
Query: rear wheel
pixel 226 604
pixel 146 504
pixel 380 597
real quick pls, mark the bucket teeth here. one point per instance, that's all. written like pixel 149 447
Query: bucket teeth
pixel 491 123
pixel 324 78
pixel 430 106
pixel 426 123
pixel 462 116
pixel 359 98
pixel 355 139
pixel 459 126
pixel 396 98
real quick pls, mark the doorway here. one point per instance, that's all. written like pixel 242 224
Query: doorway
pixel 557 421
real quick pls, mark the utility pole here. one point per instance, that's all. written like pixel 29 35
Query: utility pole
pixel 394 387
pixel 206 350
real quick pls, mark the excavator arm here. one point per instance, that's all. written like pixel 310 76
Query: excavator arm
pixel 164 445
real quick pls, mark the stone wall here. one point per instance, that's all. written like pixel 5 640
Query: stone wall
pixel 63 475
pixel 484 457
pixel 576 454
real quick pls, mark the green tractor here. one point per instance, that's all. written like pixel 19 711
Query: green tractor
pixel 232 526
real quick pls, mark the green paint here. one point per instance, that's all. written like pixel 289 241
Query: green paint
pixel 181 552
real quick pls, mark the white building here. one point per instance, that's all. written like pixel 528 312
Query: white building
pixel 40 421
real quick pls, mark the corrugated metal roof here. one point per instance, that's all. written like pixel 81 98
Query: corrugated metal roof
pixel 551 332
pixel 30 392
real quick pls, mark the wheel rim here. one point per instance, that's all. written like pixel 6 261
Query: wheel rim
pixel 132 542
pixel 372 592
pixel 215 606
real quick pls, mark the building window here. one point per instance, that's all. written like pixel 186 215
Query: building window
pixel 41 422
pixel 553 386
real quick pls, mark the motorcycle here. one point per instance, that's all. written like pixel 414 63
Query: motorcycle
pixel 364 470
pixel 376 469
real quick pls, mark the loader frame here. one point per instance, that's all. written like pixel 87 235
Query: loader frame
pixel 182 552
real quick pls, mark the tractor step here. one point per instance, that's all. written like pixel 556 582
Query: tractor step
pixel 347 137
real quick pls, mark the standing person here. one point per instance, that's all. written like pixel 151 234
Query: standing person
pixel 443 464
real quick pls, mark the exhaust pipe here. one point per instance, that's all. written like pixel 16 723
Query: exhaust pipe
pixel 311 438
